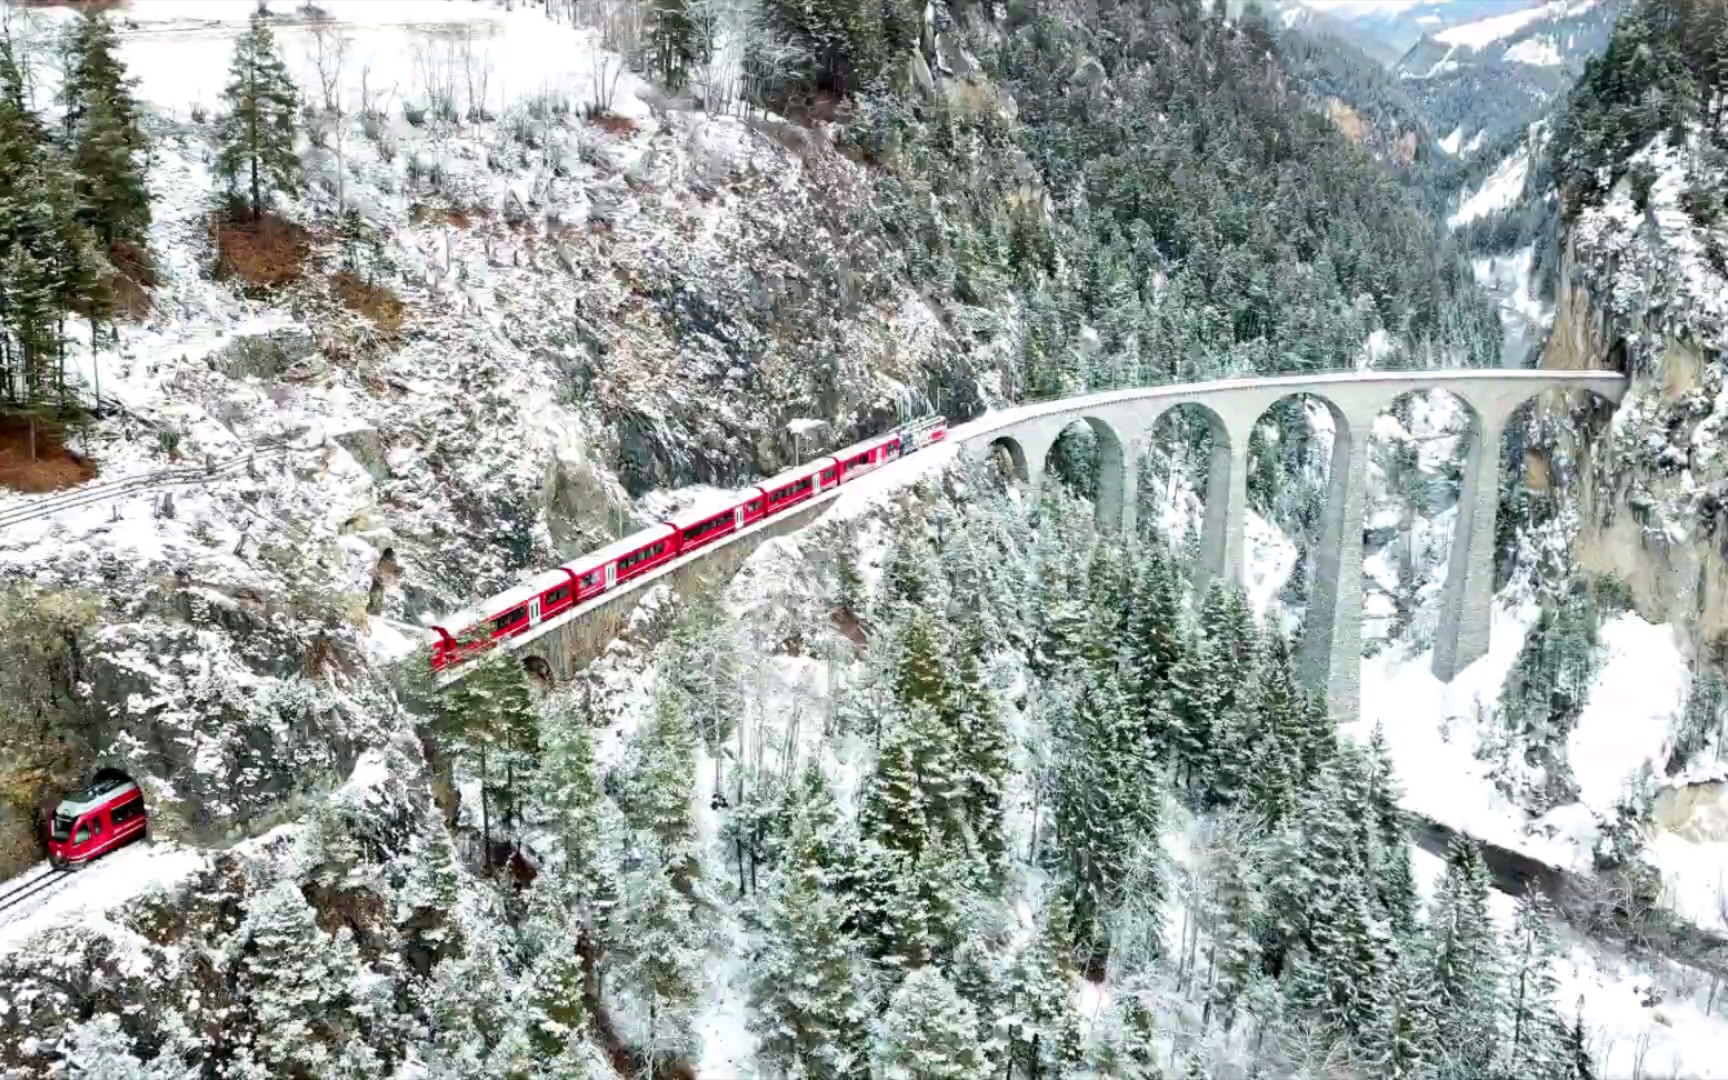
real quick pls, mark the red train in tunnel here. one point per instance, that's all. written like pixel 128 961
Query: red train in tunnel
pixel 106 813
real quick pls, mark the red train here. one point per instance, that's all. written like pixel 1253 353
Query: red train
pixel 106 813
pixel 555 591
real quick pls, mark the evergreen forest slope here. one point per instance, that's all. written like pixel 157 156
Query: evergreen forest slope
pixel 953 786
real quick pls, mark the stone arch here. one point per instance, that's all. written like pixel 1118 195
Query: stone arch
pixel 1008 447
pixel 1331 530
pixel 1620 357
pixel 1208 472
pixel 1412 470
pixel 537 668
pixel 1110 466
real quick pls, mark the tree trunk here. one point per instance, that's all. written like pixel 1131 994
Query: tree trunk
pixel 485 817
pixel 252 154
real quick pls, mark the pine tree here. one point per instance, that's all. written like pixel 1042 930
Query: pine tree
pixel 99 1049
pixel 1404 1045
pixel 1106 806
pixel 290 976
pixel 1465 964
pixel 256 136
pixel 1039 1024
pixel 1126 1046
pixel 807 989
pixel 657 795
pixel 705 666
pixel 1342 970
pixel 48 264
pixel 674 45
pixel 657 938
pixel 1155 641
pixel 915 797
pixel 106 141
pixel 929 1033
pixel 555 1004
pixel 919 678
pixel 490 716
pixel 1535 1033
pixel 568 785
pixel 984 752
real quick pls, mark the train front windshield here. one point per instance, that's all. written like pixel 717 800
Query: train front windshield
pixel 62 830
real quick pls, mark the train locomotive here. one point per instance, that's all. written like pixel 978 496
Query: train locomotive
pixel 551 593
pixel 106 813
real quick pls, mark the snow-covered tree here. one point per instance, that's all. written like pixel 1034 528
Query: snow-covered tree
pixel 1466 964
pixel 256 136
pixel 1037 1017
pixel 1106 806
pixel 658 946
pixel 1535 1034
pixel 106 142
pixel 100 1049
pixel 705 666
pixel 810 1000
pixel 298 983
pixel 928 1032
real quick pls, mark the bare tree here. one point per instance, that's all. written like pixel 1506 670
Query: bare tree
pixel 477 71
pixel 623 24
pixel 723 30
pixel 329 55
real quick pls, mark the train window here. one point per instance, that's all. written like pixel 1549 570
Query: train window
pixel 83 835
pixel 696 532
pixel 861 459
pixel 556 596
pixel 803 486
pixel 590 578
pixel 509 619
pixel 62 827
pixel 123 814
pixel 752 506
pixel 828 476
pixel 95 826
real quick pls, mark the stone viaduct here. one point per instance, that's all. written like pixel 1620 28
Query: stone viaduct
pixel 1123 422
pixel 1331 647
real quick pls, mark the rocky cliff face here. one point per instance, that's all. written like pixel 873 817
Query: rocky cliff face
pixel 1635 293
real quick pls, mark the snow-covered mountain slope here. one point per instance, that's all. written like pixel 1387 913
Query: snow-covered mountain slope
pixel 1387 29
pixel 1482 79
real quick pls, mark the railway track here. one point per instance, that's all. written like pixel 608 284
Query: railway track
pixel 15 892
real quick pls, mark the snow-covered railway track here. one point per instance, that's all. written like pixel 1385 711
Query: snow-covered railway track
pixel 15 894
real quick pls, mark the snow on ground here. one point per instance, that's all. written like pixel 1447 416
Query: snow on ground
pixel 1673 1038
pixel 1535 51
pixel 1484 32
pixel 1271 557
pixel 1452 142
pixel 178 50
pixel 1511 280
pixel 85 897
pixel 1499 191
pixel 1641 688
pixel 1475 142
pixel 1432 729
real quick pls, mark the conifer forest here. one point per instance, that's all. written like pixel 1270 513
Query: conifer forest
pixel 483 596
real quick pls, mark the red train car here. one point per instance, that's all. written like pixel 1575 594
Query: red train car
pixel 526 606
pixel 106 813
pixel 506 615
